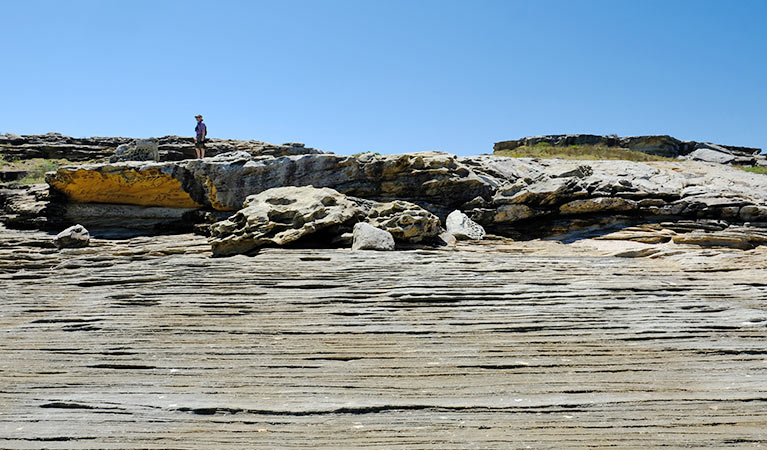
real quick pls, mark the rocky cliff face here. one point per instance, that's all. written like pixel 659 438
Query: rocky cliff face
pixel 171 148
pixel 660 145
pixel 515 197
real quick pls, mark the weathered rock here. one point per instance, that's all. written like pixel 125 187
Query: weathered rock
pixel 138 150
pixel 596 205
pixel 406 221
pixel 368 237
pixel 735 237
pixel 283 215
pixel 661 145
pixel 170 148
pixel 462 227
pixel 75 236
pixel 507 196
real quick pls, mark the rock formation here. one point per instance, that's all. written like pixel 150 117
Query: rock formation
pixel 508 196
pixel 318 216
pixel 138 150
pixel 661 145
pixel 170 148
pixel 368 237
pixel 409 195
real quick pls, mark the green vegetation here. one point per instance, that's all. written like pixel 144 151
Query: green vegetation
pixel 590 152
pixel 756 169
pixel 365 153
pixel 35 168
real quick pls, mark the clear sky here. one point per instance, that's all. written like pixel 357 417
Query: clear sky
pixel 386 76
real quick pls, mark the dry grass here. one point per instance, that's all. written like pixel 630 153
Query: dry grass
pixel 756 169
pixel 36 168
pixel 588 152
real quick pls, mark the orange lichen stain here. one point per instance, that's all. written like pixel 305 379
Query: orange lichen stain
pixel 148 187
pixel 213 197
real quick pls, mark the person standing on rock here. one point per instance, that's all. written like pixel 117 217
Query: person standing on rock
pixel 202 132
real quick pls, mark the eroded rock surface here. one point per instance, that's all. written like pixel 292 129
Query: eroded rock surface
pixel 170 148
pixel 284 215
pixel 661 145
pixel 494 344
pixel 522 198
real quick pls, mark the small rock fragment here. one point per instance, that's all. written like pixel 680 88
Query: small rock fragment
pixel 75 236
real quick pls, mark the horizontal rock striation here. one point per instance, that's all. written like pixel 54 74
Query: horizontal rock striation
pixel 660 145
pixel 150 343
pixel 171 148
pixel 518 197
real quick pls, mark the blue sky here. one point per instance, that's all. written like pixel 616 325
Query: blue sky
pixel 386 76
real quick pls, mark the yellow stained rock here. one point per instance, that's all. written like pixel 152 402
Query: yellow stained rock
pixel 148 187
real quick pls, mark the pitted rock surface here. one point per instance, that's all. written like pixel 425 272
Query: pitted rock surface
pixel 284 215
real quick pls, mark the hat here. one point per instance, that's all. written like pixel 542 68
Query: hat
pixel 198 115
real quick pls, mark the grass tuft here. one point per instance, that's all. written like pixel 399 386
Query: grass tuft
pixel 586 152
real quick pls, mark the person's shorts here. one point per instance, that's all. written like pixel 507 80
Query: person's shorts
pixel 199 143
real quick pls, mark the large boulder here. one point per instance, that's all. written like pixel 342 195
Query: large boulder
pixel 462 227
pixel 368 237
pixel 283 215
pixel 138 150
pixel 75 236
pixel 406 221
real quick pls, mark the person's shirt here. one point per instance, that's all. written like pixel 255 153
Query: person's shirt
pixel 201 130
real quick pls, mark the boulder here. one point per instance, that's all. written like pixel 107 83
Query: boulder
pixel 138 150
pixel 368 237
pixel 462 227
pixel 283 215
pixel 719 156
pixel 406 221
pixel 75 236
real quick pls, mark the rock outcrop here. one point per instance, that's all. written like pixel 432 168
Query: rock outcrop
pixel 509 196
pixel 660 145
pixel 405 221
pixel 284 215
pixel 170 148
pixel 319 217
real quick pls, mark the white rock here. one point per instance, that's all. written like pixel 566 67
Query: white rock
pixel 75 236
pixel 459 225
pixel 368 237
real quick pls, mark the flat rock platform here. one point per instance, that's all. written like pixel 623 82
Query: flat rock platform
pixel 150 343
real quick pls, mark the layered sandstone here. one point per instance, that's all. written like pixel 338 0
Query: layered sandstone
pixel 508 196
pixel 659 145
pixel 171 148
